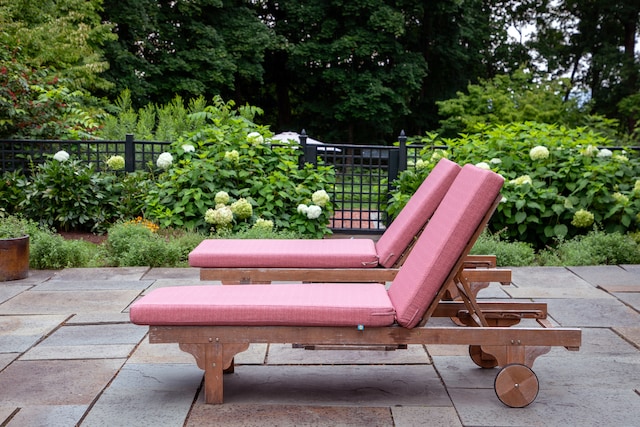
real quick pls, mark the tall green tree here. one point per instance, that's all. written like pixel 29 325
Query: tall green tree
pixel 188 48
pixel 342 69
pixel 63 36
pixel 50 58
pixel 593 42
pixel 363 70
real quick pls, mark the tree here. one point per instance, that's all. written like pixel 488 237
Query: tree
pixel 64 36
pixel 345 71
pixel 188 48
pixel 505 99
pixel 593 42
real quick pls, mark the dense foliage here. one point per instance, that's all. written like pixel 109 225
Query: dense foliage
pixel 221 174
pixel 558 183
pixel 232 155
pixel 346 71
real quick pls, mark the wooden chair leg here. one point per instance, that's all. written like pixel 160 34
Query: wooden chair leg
pixel 213 374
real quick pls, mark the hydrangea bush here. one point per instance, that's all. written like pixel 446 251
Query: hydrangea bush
pixel 558 182
pixel 227 175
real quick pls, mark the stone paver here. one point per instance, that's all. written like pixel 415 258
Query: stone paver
pixel 8 292
pixel 338 385
pixel 598 312
pixel 68 302
pixel 69 356
pixel 147 395
pixel 605 275
pixel 288 416
pixel 48 416
pixel 408 416
pixel 106 273
pixel 19 333
pixel 56 382
pixel 93 285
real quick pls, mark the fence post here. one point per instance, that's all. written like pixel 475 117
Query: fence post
pixel 129 153
pixel 310 151
pixel 402 155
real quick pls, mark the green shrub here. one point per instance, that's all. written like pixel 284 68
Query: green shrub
pixel 558 183
pixel 231 154
pixel 508 254
pixel 50 251
pixel 12 194
pixel 595 248
pixel 135 244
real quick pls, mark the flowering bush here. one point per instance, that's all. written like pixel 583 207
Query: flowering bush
pixel 231 165
pixel 558 183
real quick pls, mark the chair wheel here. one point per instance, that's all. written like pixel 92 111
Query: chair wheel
pixel 516 385
pixel 481 358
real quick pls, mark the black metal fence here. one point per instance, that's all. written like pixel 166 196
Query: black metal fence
pixel 364 173
pixel 22 154
pixel 364 177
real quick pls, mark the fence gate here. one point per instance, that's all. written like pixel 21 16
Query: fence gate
pixel 364 177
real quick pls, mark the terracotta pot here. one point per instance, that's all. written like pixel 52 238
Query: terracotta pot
pixel 14 258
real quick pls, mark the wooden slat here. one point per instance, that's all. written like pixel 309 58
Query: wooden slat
pixel 490 336
pixel 333 275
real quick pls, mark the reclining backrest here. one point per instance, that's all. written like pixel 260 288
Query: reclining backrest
pixel 412 218
pixel 443 242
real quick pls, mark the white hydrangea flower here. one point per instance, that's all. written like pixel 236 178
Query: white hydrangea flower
pixel 221 198
pixel 421 164
pixel 320 198
pixel 539 152
pixel 115 162
pixel 621 198
pixel 255 138
pixel 165 160
pixel 263 224
pixel 483 165
pixel 219 216
pixel 521 180
pixel 302 208
pixel 495 161
pixel 589 151
pixel 188 148
pixel 242 208
pixel 605 152
pixel 61 156
pixel 232 156
pixel 314 212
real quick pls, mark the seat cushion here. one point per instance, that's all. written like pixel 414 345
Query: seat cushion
pixel 320 304
pixel 284 253
pixel 412 218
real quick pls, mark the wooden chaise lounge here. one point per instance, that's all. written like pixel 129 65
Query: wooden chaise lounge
pixel 339 260
pixel 214 323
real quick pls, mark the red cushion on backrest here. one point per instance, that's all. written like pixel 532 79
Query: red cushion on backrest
pixel 444 238
pixel 397 238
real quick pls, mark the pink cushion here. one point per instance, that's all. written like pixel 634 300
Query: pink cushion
pixel 263 253
pixel 441 244
pixel 397 238
pixel 267 305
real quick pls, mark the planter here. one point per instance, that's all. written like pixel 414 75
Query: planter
pixel 14 258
